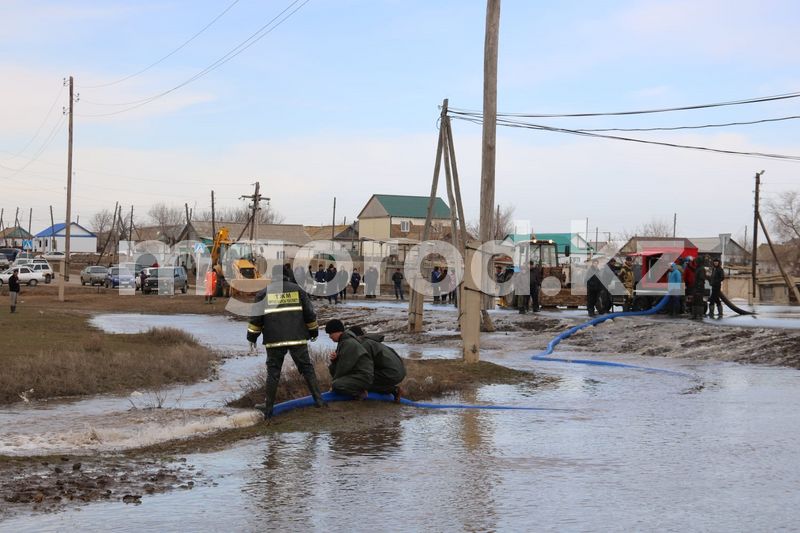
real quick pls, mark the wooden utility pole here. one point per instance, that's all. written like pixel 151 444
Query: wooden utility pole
pixel 130 227
pixel 110 232
pixel 5 238
pixel 754 255
pixel 786 278
pixel 416 299
pixel 333 220
pixel 52 231
pixel 16 218
pixel 674 224
pixel 68 226
pixel 30 219
pixel 188 218
pixel 213 218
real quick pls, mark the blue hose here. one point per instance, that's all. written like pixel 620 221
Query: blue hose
pixel 599 320
pixel 308 401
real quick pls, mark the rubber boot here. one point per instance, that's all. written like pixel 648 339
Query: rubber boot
pixel 272 390
pixel 710 310
pixel 313 388
pixel 719 310
pixel 13 308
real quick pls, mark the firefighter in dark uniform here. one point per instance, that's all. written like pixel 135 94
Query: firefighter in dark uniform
pixel 389 370
pixel 717 277
pixel 287 321
pixel 351 366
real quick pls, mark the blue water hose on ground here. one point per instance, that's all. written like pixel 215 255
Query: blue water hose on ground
pixel 308 401
pixel 599 320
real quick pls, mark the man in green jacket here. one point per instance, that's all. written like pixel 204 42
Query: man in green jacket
pixel 389 370
pixel 351 365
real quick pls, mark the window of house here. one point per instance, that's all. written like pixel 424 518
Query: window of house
pixel 405 226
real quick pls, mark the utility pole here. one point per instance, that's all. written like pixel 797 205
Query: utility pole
pixel 16 218
pixel 130 228
pixel 333 220
pixel 674 224
pixel 188 218
pixel 2 226
pixel 256 206
pixel 69 181
pixel 489 134
pixel 756 216
pixel 30 219
pixel 213 218
pixel 52 246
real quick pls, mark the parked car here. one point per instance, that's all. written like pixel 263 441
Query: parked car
pixel 4 262
pixel 54 256
pixel 93 275
pixel 25 274
pixel 10 253
pixel 136 268
pixel 119 277
pixel 165 280
pixel 43 268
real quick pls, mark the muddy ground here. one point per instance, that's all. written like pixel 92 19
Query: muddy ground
pixel 52 483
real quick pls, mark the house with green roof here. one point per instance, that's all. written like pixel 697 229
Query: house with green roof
pixel 570 244
pixel 399 220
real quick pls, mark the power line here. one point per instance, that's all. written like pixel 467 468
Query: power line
pixel 44 121
pixel 241 47
pixel 38 153
pixel 673 128
pixel 525 125
pixel 786 96
pixel 192 38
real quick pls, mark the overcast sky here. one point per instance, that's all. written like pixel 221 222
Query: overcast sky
pixel 341 100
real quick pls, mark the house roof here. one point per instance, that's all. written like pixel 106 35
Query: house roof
pixel 631 245
pixel 712 245
pixel 290 233
pixel 561 240
pixel 58 229
pixel 15 232
pixel 397 205
pixel 340 232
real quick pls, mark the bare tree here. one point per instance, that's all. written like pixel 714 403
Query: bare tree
pixel 167 218
pixel 785 214
pixel 504 223
pixel 266 215
pixel 101 221
pixel 658 228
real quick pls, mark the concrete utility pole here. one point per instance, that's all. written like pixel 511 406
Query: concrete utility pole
pixel 30 219
pixel 333 220
pixel 256 205
pixel 69 183
pixel 756 216
pixel 674 224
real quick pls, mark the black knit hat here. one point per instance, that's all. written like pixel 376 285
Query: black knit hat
pixel 334 325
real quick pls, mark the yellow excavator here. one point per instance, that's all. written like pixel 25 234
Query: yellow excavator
pixel 239 268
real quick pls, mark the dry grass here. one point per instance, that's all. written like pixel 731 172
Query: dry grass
pixel 47 355
pixel 425 379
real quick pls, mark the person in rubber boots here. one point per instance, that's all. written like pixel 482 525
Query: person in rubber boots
pixel 625 275
pixel 287 321
pixel 716 279
pixel 389 370
pixel 698 290
pixel 351 365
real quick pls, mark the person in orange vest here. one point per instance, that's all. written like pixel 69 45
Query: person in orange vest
pixel 211 285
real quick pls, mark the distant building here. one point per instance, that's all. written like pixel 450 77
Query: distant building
pixel 389 224
pixel 570 246
pixel 345 236
pixel 723 248
pixel 15 237
pixel 277 241
pixel 635 244
pixel 53 239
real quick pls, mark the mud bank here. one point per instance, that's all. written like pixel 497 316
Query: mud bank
pixel 709 339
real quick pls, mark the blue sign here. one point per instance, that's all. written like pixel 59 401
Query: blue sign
pixel 27 244
pixel 200 248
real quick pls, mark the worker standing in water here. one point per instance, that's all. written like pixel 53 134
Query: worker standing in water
pixel 716 279
pixel 287 320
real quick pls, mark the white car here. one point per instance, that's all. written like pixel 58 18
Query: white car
pixel 25 274
pixel 42 268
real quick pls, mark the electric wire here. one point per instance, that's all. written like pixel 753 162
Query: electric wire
pixel 745 101
pixel 39 129
pixel 244 45
pixel 525 125
pixel 45 145
pixel 142 71
pixel 697 127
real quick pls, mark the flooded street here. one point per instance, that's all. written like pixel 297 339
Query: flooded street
pixel 714 449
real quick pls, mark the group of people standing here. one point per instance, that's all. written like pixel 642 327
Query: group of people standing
pixel 691 274
pixel 287 321
pixel 686 283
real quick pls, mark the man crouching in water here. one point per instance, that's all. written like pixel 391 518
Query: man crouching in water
pixel 389 370
pixel 351 365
